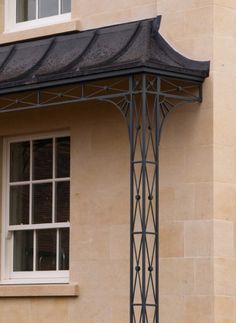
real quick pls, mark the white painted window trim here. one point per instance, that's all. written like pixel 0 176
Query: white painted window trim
pixel 12 26
pixel 37 277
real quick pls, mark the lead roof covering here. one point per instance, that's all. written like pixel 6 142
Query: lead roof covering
pixel 93 52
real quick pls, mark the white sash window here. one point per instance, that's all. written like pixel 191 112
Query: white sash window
pixel 37 209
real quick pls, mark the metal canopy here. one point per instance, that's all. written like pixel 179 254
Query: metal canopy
pixel 132 67
pixel 106 51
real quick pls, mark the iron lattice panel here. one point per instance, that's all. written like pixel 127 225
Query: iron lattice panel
pixel 151 100
pixel 144 138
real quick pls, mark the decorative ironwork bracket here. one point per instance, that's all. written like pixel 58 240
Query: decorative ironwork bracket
pixel 144 100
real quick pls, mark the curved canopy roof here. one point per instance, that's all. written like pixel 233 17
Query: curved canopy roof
pixel 94 53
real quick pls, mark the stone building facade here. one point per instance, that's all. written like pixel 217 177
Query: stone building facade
pixel 197 192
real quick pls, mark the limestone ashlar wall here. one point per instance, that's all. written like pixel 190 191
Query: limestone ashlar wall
pixel 224 75
pixel 186 178
pixel 95 13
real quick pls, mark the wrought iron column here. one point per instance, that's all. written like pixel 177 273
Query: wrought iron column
pixel 144 101
pixel 144 138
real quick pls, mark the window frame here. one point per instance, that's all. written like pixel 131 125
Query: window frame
pixel 8 276
pixel 12 26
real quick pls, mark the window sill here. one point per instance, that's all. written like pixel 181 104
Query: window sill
pixel 53 290
pixel 40 31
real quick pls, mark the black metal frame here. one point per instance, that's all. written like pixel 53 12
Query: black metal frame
pixel 151 99
pixel 144 100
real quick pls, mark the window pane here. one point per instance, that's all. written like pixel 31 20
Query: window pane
pixel 42 159
pixel 19 161
pixel 62 202
pixel 19 204
pixel 48 8
pixel 64 249
pixel 42 203
pixel 23 251
pixel 65 6
pixel 63 157
pixel 25 10
pixel 46 249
